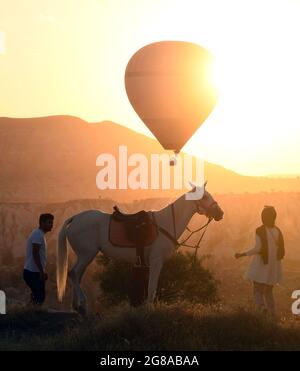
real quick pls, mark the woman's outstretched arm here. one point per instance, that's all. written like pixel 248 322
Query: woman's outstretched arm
pixel 255 250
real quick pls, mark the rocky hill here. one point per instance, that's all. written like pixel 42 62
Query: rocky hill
pixel 53 159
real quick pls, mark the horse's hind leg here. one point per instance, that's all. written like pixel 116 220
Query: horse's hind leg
pixel 79 302
pixel 75 287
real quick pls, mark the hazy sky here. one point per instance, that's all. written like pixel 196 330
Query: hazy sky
pixel 69 57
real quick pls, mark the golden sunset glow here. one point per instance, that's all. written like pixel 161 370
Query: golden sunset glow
pixel 69 57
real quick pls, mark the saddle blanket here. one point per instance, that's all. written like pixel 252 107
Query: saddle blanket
pixel 119 236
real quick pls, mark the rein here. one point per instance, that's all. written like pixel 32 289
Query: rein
pixel 176 243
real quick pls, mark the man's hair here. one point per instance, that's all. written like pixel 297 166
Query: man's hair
pixel 268 216
pixel 45 217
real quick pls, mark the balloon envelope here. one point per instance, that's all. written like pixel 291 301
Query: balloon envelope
pixel 169 85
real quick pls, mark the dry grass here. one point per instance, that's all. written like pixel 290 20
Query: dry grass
pixel 180 326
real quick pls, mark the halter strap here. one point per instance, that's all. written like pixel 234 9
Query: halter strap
pixel 207 208
pixel 174 240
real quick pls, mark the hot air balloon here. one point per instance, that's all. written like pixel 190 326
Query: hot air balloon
pixel 168 83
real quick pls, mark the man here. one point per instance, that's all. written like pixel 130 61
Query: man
pixel 36 256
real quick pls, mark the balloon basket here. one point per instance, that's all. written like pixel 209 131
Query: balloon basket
pixel 173 160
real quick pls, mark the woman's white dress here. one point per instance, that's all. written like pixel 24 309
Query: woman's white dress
pixel 270 273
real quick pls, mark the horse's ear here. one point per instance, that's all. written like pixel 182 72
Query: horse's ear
pixel 192 185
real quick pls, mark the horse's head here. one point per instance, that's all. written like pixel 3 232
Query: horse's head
pixel 207 204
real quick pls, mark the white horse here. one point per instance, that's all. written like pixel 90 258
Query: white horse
pixel 87 233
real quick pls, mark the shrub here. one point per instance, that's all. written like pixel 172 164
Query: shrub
pixel 181 278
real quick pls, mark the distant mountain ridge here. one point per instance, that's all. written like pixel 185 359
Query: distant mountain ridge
pixel 53 159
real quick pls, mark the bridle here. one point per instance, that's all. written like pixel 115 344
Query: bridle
pixel 173 238
pixel 213 203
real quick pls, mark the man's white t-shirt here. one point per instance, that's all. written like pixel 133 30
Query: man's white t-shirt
pixel 36 236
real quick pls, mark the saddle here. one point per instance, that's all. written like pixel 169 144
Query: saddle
pixel 132 230
pixel 122 217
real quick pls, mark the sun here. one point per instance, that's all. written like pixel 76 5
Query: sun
pixel 220 76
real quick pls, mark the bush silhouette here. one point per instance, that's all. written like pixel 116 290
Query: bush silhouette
pixel 181 278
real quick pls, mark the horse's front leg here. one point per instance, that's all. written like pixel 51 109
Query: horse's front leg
pixel 155 268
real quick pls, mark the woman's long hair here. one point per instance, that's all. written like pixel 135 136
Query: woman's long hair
pixel 268 216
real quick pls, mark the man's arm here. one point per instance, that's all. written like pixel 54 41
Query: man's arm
pixel 36 257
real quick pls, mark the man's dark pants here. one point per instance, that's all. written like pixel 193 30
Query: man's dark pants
pixel 36 285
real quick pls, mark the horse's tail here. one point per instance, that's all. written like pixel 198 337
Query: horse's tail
pixel 62 260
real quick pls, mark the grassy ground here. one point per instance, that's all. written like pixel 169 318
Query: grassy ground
pixel 179 326
pixel 231 324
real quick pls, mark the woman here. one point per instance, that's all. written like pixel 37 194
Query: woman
pixel 265 269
